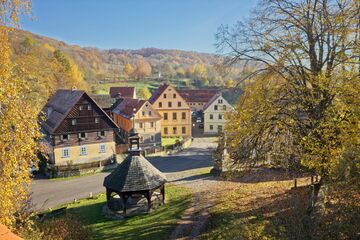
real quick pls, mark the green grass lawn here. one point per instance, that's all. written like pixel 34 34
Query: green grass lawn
pixel 156 225
pixel 168 141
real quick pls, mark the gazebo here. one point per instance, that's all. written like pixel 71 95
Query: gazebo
pixel 134 177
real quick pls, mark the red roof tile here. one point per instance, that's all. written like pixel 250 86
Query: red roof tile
pixel 123 92
pixel 198 95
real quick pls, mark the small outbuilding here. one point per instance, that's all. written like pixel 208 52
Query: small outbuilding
pixel 133 179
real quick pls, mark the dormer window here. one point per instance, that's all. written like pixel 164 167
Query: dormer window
pixel 73 122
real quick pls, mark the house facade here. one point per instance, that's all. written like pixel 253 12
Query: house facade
pixel 77 130
pixel 214 114
pixel 197 98
pixel 147 121
pixel 174 110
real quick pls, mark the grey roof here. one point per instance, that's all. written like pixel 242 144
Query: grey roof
pixel 135 173
pixel 103 100
pixel 60 104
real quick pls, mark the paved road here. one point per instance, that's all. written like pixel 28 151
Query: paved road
pixel 178 167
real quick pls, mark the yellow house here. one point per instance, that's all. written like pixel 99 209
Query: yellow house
pixel 175 112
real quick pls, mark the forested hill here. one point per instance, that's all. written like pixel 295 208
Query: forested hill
pixel 97 65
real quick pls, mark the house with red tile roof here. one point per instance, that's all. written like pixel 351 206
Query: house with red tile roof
pixel 122 92
pixel 147 121
pixel 197 98
pixel 174 110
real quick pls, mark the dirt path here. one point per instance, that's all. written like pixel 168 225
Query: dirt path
pixel 195 218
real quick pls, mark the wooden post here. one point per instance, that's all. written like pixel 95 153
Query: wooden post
pixel 312 179
pixel 163 193
pixel 295 182
pixel 124 198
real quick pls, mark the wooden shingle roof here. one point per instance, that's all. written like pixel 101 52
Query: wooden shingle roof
pixel 135 173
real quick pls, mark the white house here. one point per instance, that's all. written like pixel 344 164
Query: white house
pixel 214 114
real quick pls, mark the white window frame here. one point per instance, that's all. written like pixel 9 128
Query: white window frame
pixel 83 150
pixel 73 122
pixel 102 148
pixel 80 137
pixel 101 136
pixel 65 153
pixel 62 137
pixel 81 107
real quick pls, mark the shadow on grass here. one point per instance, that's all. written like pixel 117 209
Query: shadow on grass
pixel 156 225
pixel 273 216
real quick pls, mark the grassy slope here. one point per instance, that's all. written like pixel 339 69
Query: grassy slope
pixel 157 225
pixel 258 209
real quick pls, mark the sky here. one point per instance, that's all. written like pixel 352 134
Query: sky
pixel 133 24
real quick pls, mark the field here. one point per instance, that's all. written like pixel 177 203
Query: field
pixel 259 206
pixel 156 225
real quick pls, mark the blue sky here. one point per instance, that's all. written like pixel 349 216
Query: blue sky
pixel 133 24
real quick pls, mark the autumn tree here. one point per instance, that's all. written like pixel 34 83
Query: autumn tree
pixel 145 92
pixel 19 129
pixel 142 70
pixel 302 106
pixel 128 70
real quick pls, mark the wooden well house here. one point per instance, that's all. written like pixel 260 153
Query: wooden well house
pixel 135 178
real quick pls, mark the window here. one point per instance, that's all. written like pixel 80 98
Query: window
pixel 143 113
pixel 220 128
pixel 101 134
pixel 179 104
pixel 174 95
pixel 152 124
pixel 220 101
pixel 215 107
pixel 73 122
pixel 211 116
pixel 97 120
pixel 165 130
pixel 150 113
pixel 140 125
pixel 102 148
pixel 82 135
pixel 183 130
pixel 174 130
pixel 211 127
pixel 65 153
pixel 81 108
pixel 89 107
pixel 224 107
pixel 165 116
pixel 174 116
pixel 183 115
pixel 160 104
pixel 83 151
pixel 169 104
pixel 165 96
pixel 64 137
pixel 152 138
pixel 220 117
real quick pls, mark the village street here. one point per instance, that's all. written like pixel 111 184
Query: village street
pixel 182 168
